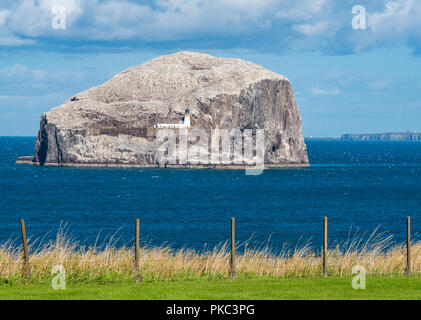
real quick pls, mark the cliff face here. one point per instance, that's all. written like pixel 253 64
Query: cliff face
pixel 109 124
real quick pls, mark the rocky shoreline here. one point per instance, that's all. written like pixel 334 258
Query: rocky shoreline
pixel 29 160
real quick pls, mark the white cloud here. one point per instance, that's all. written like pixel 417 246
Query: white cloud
pixel 334 74
pixel 19 71
pixel 380 84
pixel 12 98
pixel 19 74
pixel 300 10
pixel 281 24
pixel 398 22
pixel 395 13
pixel 3 16
pixel 12 41
pixel 311 29
pixel 168 20
pixel 7 38
pixel 330 92
pixel 33 18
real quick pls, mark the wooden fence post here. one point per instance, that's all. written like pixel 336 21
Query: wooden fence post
pixel 137 250
pixel 27 268
pixel 233 248
pixel 325 246
pixel 408 246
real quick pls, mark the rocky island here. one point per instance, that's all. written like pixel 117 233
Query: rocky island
pixel 115 124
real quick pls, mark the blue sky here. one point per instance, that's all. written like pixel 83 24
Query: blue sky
pixel 345 80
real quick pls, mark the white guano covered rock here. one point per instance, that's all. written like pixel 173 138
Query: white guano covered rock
pixel 108 124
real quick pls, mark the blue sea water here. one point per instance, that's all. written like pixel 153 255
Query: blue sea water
pixel 358 185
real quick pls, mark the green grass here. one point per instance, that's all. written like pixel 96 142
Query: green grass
pixel 377 287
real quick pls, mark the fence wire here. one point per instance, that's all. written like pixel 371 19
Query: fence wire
pixel 166 264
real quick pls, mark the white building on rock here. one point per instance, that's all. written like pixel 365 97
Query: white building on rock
pixel 184 122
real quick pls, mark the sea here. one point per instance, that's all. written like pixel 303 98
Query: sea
pixel 361 187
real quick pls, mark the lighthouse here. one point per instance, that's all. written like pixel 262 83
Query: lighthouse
pixel 186 119
pixel 184 122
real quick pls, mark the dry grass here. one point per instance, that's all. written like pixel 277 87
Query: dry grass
pixel 377 255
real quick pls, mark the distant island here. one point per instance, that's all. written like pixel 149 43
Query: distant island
pixel 388 136
pixel 400 136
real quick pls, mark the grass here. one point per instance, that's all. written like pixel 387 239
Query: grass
pixel 107 271
pixel 377 287
pixel 377 255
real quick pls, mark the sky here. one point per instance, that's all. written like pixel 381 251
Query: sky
pixel 355 65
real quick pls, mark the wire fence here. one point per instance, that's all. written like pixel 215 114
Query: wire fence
pixel 229 260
